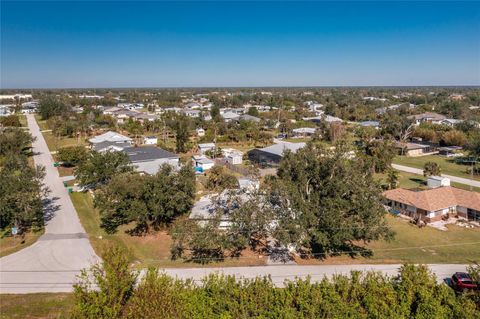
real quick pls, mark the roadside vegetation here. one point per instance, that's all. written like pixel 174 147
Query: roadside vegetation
pixel 21 191
pixel 414 294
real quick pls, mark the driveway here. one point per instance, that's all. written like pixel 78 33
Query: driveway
pixel 456 179
pixel 52 263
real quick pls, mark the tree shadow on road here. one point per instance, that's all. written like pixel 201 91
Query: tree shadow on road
pixel 50 208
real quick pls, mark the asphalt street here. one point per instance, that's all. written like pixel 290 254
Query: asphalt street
pixel 52 263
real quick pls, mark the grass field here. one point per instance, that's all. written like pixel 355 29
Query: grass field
pixel 53 142
pixel 30 306
pixel 418 245
pixel 23 120
pixel 447 165
pixel 151 250
pixel 9 245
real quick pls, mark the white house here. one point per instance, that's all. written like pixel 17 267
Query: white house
pixel 150 140
pixel 205 147
pixel 191 113
pixel 303 131
pixel 200 132
pixel 430 117
pixel 451 122
pixel 437 181
pixel 230 116
pixel 110 136
pixel 202 163
pixel 232 156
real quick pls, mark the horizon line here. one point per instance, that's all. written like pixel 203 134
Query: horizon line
pixel 244 87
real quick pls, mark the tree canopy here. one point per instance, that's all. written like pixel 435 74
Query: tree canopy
pixel 99 168
pixel 50 106
pixel 149 201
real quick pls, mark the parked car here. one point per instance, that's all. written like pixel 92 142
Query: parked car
pixel 461 281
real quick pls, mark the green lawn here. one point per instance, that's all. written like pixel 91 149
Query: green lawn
pixel 447 165
pixel 55 143
pixel 408 235
pixel 41 123
pixel 151 250
pixel 417 245
pixel 409 180
pixel 9 245
pixel 41 305
pixel 23 120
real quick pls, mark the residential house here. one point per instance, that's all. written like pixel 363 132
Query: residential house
pixel 112 137
pixel 142 117
pixel 451 122
pixel 374 124
pixel 272 155
pixel 429 117
pixel 149 159
pixel 193 106
pixel 303 131
pixel 434 204
pixel 202 163
pixel 205 147
pixel 414 149
pixel 5 109
pixel 150 140
pixel 191 113
pixel 450 151
pixel 232 156
pixel 230 116
pixel 107 146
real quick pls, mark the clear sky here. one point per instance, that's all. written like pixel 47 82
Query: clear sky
pixel 166 44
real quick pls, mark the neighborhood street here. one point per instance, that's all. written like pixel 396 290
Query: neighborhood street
pixel 279 274
pixel 456 179
pixel 50 264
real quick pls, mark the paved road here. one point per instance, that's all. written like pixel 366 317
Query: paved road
pixel 51 264
pixel 418 171
pixel 279 274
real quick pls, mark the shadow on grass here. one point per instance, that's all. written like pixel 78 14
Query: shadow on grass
pixel 417 180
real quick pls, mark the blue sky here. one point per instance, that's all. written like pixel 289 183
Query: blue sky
pixel 158 44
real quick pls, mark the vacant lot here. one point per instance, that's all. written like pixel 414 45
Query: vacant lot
pixel 151 250
pixel 56 142
pixel 29 306
pixel 447 165
pixel 410 244
pixel 417 245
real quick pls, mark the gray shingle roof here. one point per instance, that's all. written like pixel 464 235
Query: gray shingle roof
pixel 146 153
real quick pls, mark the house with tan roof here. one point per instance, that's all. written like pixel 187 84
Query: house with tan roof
pixel 434 204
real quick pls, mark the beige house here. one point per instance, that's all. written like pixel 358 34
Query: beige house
pixel 434 204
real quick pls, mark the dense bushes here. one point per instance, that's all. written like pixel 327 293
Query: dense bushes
pixel 414 294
